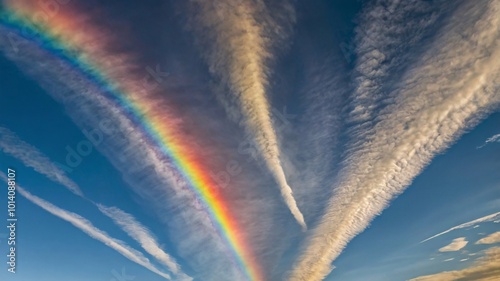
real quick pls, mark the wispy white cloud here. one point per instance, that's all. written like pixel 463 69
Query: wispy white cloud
pixel 487 218
pixel 486 268
pixel 30 156
pixel 386 30
pixel 455 245
pixel 450 259
pixel 87 227
pixel 495 138
pixel 490 239
pixel 451 87
pixel 142 235
pixel 238 55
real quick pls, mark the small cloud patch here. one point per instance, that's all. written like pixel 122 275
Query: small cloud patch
pixel 455 245
pixel 490 239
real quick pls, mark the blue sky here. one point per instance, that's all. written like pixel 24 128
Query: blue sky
pixel 380 116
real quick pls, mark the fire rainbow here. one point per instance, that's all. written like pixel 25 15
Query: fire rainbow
pixel 59 36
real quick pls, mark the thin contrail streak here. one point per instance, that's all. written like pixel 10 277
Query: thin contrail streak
pixel 88 228
pixel 30 156
pixel 491 217
pixel 142 235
